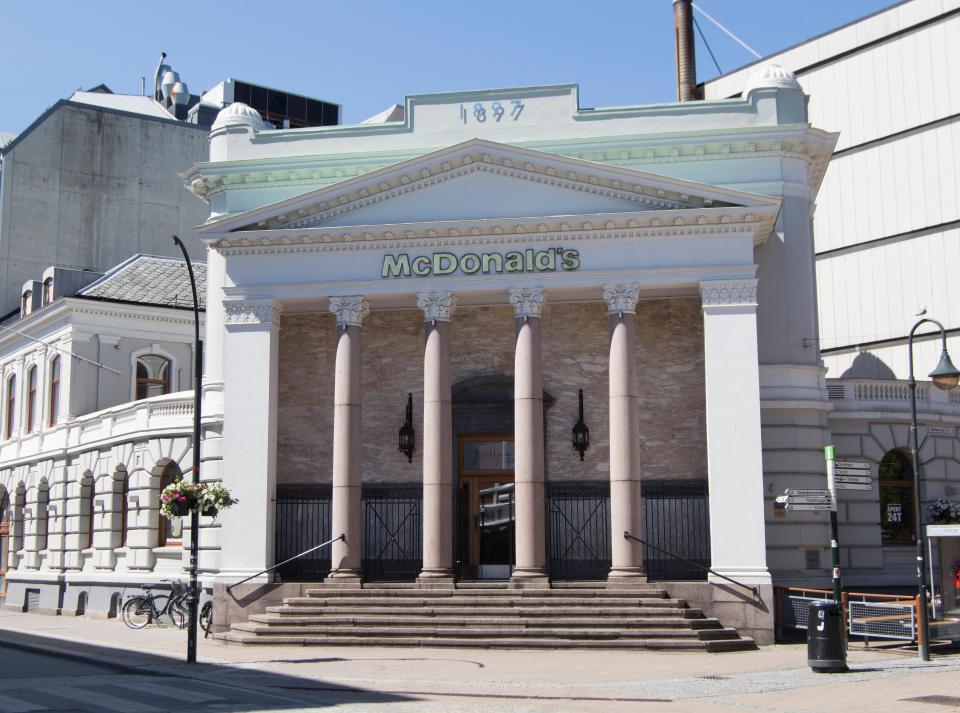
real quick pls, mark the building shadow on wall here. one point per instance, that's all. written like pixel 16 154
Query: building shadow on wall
pixel 868 366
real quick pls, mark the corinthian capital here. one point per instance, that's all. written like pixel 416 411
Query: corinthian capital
pixel 350 310
pixel 527 301
pixel 621 298
pixel 436 306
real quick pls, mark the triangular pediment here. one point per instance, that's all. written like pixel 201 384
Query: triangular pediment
pixel 479 180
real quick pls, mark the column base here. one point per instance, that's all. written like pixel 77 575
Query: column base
pixel 627 578
pixel 436 579
pixel 529 578
pixel 346 578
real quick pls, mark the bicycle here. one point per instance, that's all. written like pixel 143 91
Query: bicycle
pixel 140 610
pixel 206 618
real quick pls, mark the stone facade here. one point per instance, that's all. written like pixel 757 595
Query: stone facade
pixel 482 342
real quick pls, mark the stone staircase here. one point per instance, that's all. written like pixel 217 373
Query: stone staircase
pixel 478 616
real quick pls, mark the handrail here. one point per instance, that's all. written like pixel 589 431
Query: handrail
pixel 280 564
pixel 754 590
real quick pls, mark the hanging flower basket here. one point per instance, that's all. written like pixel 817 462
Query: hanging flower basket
pixel 181 498
pixel 944 512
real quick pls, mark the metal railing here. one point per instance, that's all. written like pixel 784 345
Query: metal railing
pixel 754 590
pixel 303 520
pixel 392 533
pixel 578 530
pixel 877 616
pixel 676 518
pixel 291 559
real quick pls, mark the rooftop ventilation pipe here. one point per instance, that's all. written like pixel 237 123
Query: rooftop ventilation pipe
pixel 156 76
pixel 686 56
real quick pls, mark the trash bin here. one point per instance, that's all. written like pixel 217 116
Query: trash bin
pixel 826 645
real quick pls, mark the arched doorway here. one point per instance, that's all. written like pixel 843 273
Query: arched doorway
pixel 483 409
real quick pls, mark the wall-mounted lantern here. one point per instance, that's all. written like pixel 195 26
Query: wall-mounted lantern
pixel 408 437
pixel 581 434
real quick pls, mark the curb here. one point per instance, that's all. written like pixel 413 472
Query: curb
pixel 57 652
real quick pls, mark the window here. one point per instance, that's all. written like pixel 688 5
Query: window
pixel 48 291
pixel 25 303
pixel 54 404
pixel 11 405
pixel 89 509
pixel 171 528
pixel 43 515
pixel 31 397
pixel 124 510
pixel 897 526
pixel 153 376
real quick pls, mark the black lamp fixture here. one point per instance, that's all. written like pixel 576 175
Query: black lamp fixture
pixel 408 437
pixel 581 434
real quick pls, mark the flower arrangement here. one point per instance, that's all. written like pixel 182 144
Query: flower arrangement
pixel 944 512
pixel 183 497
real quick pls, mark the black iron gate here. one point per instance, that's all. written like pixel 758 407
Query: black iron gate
pixel 392 532
pixel 302 522
pixel 578 530
pixel 676 518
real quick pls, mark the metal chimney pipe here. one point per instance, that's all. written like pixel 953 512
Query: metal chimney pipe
pixel 686 56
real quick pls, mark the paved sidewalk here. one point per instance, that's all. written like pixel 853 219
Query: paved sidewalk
pixel 395 680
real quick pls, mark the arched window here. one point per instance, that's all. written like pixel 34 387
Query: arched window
pixel 43 515
pixel 153 376
pixel 11 406
pixel 171 528
pixel 897 526
pixel 31 397
pixel 54 404
pixel 48 291
pixel 124 509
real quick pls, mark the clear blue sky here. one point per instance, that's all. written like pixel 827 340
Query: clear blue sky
pixel 370 54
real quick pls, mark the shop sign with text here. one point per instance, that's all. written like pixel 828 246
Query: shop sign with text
pixel 492 263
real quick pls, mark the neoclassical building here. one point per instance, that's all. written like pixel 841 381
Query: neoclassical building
pixel 486 259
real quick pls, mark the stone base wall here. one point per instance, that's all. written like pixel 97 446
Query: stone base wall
pixel 734 606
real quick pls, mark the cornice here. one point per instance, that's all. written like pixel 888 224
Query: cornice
pixel 812 146
pixel 689 223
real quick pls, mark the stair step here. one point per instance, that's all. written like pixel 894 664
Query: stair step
pixel 472 601
pixel 740 644
pixel 440 632
pixel 407 590
pixel 284 618
pixel 493 611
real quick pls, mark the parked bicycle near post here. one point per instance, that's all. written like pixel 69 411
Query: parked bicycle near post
pixel 142 609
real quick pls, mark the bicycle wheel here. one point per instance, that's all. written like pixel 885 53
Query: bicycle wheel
pixel 136 612
pixel 164 616
pixel 206 618
pixel 179 610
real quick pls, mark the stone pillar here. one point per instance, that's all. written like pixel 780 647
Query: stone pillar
pixel 626 505
pixel 438 486
pixel 250 437
pixel 346 514
pixel 529 527
pixel 734 456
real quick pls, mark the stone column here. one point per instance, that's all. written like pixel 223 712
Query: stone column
pixel 438 484
pixel 346 514
pixel 529 527
pixel 251 348
pixel 626 506
pixel 734 456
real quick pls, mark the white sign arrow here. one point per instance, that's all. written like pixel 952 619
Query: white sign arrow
pixel 799 500
pixel 861 479
pixel 808 493
pixel 851 465
pixel 811 507
pixel 854 486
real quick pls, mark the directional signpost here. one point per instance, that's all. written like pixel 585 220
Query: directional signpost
pixel 829 455
pixel 853 475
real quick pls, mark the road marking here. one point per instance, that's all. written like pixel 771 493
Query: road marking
pixel 9 704
pixel 103 700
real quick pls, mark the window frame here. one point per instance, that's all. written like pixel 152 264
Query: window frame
pixel 124 509
pixel 53 399
pixel 172 472
pixel 11 406
pixel 902 486
pixel 173 367
pixel 31 394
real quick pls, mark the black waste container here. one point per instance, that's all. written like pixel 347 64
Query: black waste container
pixel 826 645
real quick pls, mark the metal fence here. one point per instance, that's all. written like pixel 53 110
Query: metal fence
pixel 302 522
pixel 392 533
pixel 676 518
pixel 578 530
pixel 872 616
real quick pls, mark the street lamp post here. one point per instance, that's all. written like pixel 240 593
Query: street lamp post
pixel 194 516
pixel 945 376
